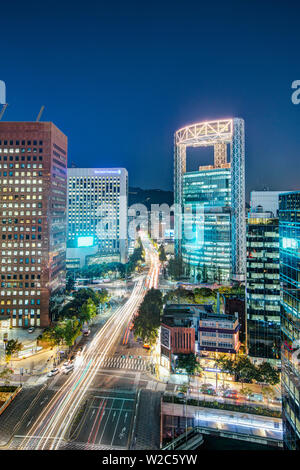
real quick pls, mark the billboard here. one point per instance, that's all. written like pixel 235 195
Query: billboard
pixel 85 241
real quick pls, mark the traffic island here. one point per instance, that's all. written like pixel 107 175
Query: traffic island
pixel 7 394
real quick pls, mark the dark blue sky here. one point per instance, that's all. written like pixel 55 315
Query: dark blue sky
pixel 119 79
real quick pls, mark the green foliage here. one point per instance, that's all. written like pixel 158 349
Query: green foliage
pixel 70 283
pixel 201 295
pixel 246 371
pixel 87 311
pixel 268 374
pixel 256 410
pixel 72 330
pixel 162 254
pixel 5 374
pixel 54 335
pixel 12 347
pixel 175 268
pixel 81 297
pixel 189 363
pixel 147 322
pixel 64 331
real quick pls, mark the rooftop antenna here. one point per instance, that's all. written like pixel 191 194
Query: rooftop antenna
pixel 3 111
pixel 40 113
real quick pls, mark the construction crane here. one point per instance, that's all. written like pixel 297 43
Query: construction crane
pixel 40 114
pixel 3 111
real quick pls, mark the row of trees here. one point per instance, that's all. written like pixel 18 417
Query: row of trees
pixel 147 322
pixel 80 310
pixel 246 372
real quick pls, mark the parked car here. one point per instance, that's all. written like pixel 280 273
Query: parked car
pixel 30 330
pixel 53 372
pixel 255 397
pixel 208 390
pixel 181 395
pixel 86 332
pixel 230 394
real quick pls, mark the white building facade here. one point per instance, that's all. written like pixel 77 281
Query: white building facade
pixel 97 210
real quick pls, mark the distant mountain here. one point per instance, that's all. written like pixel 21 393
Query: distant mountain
pixel 149 196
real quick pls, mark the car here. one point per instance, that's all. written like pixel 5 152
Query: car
pixel 208 390
pixel 86 333
pixel 53 372
pixel 30 330
pixel 255 397
pixel 146 346
pixel 68 369
pixel 181 395
pixel 230 394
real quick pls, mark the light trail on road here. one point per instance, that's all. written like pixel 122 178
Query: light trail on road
pixel 52 426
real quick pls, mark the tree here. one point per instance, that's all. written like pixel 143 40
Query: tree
pixel 147 322
pixel 268 374
pixel 87 311
pixel 176 268
pixel 225 364
pixel 54 335
pixel 12 347
pixel 70 283
pixel 162 254
pixel 245 370
pixel 72 330
pixel 5 374
pixel 268 392
pixel 189 363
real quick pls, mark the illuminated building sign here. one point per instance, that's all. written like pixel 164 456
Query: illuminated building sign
pixel 107 172
pixel 85 241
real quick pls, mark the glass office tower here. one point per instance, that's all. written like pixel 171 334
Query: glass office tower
pixel 289 233
pixel 263 287
pixel 206 231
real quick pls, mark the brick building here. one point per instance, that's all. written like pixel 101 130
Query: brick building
pixel 33 186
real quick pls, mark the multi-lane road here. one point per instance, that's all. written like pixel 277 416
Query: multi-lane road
pixel 51 429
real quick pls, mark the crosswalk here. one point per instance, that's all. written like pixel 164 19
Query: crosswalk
pixel 119 362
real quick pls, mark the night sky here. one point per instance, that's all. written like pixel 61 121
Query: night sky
pixel 120 77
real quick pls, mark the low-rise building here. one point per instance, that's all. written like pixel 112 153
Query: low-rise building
pixel 195 328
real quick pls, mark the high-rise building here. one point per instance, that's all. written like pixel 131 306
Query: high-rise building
pixel 33 182
pixel 97 212
pixel 206 240
pixel 289 236
pixel 263 287
pixel 213 187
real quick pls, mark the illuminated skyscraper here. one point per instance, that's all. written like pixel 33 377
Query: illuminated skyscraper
pixel 206 242
pixel 289 233
pixel 33 180
pixel 228 181
pixel 97 211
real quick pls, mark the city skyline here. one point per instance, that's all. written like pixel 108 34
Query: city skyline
pixel 142 91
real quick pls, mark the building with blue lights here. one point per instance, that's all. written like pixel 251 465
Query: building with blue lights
pixel 206 230
pixel 263 286
pixel 289 235
pixel 97 213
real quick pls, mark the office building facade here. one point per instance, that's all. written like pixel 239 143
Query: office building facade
pixel 97 211
pixel 263 287
pixel 206 232
pixel 289 237
pixel 218 134
pixel 33 181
